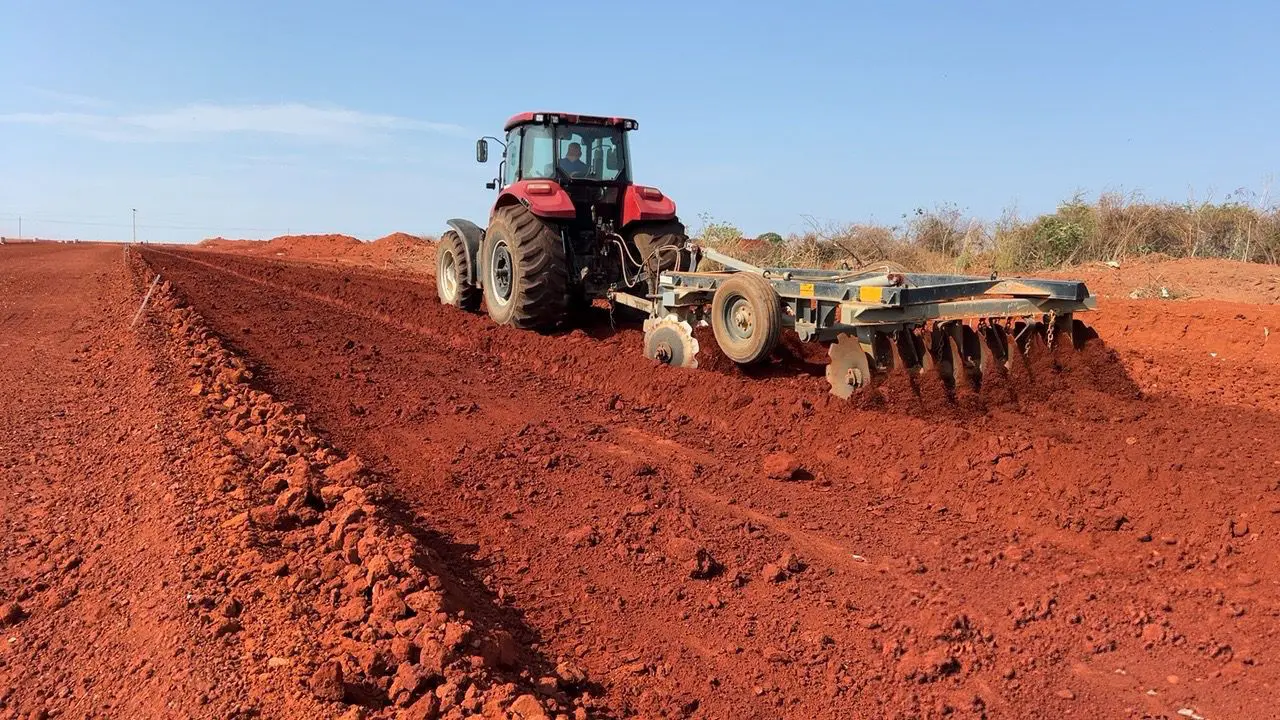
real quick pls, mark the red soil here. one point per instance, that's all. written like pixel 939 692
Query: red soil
pixel 1184 278
pixel 289 246
pixel 396 249
pixel 1005 553
pixel 1086 537
pixel 180 543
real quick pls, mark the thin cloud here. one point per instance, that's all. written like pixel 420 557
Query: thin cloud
pixel 204 120
pixel 72 99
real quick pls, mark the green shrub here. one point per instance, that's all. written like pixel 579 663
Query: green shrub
pixel 1111 228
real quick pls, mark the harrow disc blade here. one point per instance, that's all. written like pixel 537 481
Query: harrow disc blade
pixel 1064 329
pixel 973 353
pixel 915 350
pixel 671 341
pixel 946 355
pixel 1082 334
pixel 996 340
pixel 885 353
pixel 1024 332
pixel 849 369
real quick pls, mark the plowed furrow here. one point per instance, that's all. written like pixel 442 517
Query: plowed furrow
pixel 1000 553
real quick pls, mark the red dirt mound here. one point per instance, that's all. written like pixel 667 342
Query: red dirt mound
pixel 232 245
pixel 393 247
pixel 400 239
pixel 312 246
pixel 398 248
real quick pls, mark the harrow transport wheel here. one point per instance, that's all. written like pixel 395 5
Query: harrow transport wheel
pixel 526 275
pixel 746 317
pixel 453 268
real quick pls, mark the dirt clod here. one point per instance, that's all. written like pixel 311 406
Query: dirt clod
pixel 326 682
pixel 11 614
pixel 781 466
pixel 773 573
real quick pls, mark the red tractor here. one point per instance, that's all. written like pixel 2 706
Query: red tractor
pixel 569 225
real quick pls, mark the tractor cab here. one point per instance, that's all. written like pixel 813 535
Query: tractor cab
pixel 575 169
pixel 564 148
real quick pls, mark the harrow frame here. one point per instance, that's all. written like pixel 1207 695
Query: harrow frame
pixel 827 305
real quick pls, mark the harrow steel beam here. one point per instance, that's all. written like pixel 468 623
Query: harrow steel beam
pixel 821 304
pixel 865 317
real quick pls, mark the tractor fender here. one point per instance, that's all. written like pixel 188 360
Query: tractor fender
pixel 641 202
pixel 544 198
pixel 471 235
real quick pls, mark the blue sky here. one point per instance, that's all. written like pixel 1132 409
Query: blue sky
pixel 250 119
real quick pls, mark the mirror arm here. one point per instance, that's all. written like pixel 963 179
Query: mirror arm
pixel 482 148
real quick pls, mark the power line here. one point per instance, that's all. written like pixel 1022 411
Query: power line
pixel 86 223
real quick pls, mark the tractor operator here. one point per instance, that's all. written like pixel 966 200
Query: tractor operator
pixel 572 162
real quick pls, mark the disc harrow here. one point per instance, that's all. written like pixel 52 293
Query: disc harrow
pixel 963 354
pixel 966 330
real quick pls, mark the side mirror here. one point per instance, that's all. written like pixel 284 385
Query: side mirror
pixel 491 185
pixel 482 150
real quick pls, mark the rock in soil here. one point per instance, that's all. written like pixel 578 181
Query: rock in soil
pixel 11 614
pixel 781 466
pixel 326 682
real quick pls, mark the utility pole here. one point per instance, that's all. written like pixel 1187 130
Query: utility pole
pixel 135 226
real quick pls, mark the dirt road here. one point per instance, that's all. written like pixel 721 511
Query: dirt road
pixel 1093 543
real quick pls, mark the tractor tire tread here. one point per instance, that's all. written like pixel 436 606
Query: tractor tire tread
pixel 469 295
pixel 540 285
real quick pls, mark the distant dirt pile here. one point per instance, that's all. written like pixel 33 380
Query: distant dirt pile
pixel 312 245
pixel 316 576
pixel 387 249
pixel 398 248
pixel 293 246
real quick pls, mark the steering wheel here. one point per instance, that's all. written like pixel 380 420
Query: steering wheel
pixel 587 173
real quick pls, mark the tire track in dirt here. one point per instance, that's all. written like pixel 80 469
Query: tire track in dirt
pixel 1000 555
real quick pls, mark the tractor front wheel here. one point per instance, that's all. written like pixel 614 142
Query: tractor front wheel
pixel 526 274
pixel 453 273
pixel 746 316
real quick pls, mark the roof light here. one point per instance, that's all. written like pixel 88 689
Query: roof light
pixel 555 118
pixel 631 125
pixel 539 188
pixel 539 117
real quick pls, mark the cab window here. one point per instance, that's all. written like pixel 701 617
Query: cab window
pixel 512 169
pixel 537 152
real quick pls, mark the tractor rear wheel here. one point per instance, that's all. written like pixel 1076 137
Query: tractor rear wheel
pixel 653 240
pixel 526 274
pixel 746 316
pixel 453 273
